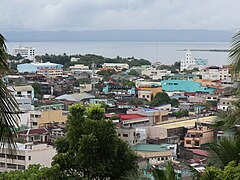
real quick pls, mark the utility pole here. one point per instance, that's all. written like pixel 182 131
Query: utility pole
pixel 93 80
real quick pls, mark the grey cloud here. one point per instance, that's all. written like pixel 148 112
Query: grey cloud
pixel 118 14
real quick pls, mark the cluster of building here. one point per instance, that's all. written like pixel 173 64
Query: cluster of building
pixel 154 133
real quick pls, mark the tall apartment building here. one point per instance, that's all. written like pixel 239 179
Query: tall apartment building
pixel 26 52
pixel 25 155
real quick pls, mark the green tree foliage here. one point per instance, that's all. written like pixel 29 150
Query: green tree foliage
pixel 92 148
pixel 234 54
pixel 226 150
pixel 95 112
pixel 107 73
pixel 160 99
pixel 181 113
pixel 173 68
pixel 230 172
pixel 167 174
pixel 88 59
pixel 34 172
pixel 37 90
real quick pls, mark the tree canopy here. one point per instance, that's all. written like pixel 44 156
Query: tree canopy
pixel 92 148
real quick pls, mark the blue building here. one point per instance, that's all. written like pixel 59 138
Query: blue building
pixel 33 67
pixel 201 62
pixel 185 86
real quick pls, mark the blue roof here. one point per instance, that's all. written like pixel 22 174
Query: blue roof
pixel 185 86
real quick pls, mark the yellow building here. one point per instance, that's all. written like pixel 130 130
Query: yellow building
pixel 39 118
pixel 148 92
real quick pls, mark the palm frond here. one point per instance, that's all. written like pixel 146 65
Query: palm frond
pixel 9 109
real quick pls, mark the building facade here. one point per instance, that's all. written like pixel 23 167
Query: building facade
pixel 197 136
pixel 25 52
pixel 25 155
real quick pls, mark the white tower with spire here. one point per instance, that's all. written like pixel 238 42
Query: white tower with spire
pixel 188 62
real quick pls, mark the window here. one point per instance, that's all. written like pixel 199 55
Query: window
pixel 188 141
pixel 19 93
pixel 35 123
pixel 21 157
pixel 119 134
pixel 9 156
pixel 196 143
pixel 125 135
pixel 2 164
pixel 21 167
pixel 223 102
pixel 143 96
pixel 29 158
pixel 147 96
pixel 2 155
pixel 29 92
pixel 11 166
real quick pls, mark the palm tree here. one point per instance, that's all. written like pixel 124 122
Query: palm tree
pixel 167 174
pixel 234 54
pixel 226 150
pixel 8 105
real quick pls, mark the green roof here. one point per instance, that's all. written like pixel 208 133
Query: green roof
pixel 150 147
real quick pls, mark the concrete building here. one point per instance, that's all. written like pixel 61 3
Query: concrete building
pixel 190 63
pixel 24 96
pixel 50 72
pixel 226 103
pixel 185 86
pixel 25 52
pixel 198 136
pixel 81 71
pixel 25 155
pixel 116 66
pixel 39 118
pixel 216 73
pixel 129 135
pixel 154 115
pixel 33 67
pixel 33 135
pixel 156 153
pixel 147 92
pixel 154 73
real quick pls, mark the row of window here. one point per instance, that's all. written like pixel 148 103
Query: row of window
pixel 10 156
pixel 12 166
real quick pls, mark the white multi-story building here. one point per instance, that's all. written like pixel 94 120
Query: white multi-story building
pixel 25 52
pixel 25 155
pixel 24 96
pixel 116 66
pixel 216 73
pixel 190 63
pixel 155 74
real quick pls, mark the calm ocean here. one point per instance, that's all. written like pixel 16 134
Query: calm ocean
pixel 165 52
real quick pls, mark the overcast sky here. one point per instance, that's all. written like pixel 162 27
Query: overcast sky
pixel 81 15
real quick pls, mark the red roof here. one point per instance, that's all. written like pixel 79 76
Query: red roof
pixel 33 131
pixel 130 116
pixel 200 152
